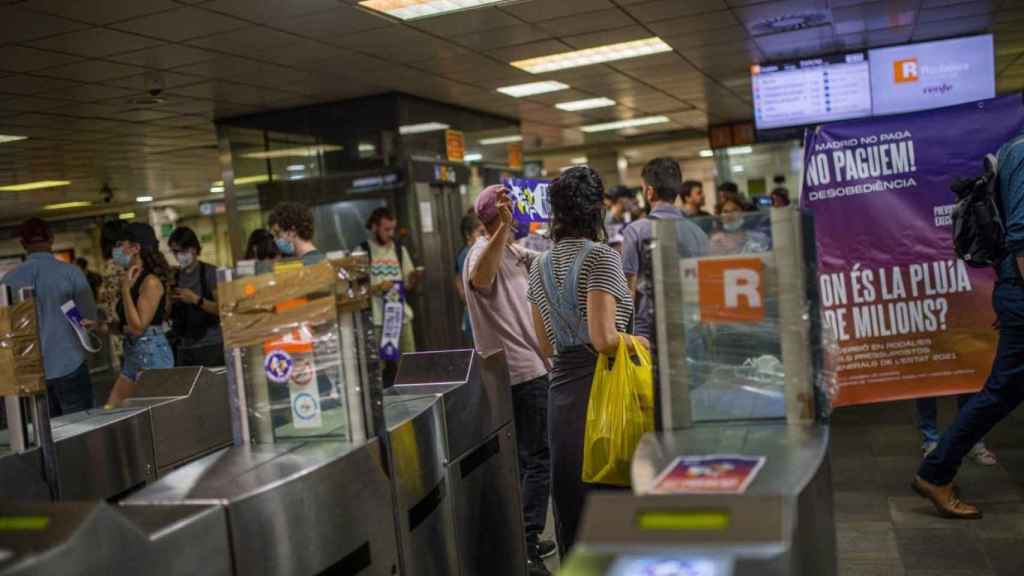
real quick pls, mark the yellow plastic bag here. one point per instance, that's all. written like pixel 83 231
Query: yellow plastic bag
pixel 620 411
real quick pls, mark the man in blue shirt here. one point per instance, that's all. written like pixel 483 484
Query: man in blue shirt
pixel 1004 389
pixel 55 283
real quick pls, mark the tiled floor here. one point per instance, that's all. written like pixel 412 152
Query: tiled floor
pixel 884 529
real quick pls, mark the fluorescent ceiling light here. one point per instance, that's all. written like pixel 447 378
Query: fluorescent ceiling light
pixel 367 148
pixel 706 154
pixel 11 138
pixel 34 185
pixel 66 205
pixel 295 167
pixel 412 9
pixel 739 150
pixel 295 152
pixel 473 157
pixel 588 104
pixel 126 215
pixel 596 55
pixel 501 140
pixel 631 123
pixel 533 88
pixel 216 189
pixel 421 128
pixel 144 199
pixel 579 160
pixel 241 181
pixel 737 168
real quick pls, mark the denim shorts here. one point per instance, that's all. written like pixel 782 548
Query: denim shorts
pixel 146 352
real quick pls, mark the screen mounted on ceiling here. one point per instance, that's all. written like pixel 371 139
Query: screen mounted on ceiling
pixel 932 74
pixel 811 91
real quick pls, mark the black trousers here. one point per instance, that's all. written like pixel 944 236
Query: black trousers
pixel 209 356
pixel 530 403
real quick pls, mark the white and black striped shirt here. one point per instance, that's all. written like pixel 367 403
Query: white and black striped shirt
pixel 600 271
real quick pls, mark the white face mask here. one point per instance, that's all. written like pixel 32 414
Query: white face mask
pixel 185 259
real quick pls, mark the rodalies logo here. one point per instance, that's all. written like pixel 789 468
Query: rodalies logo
pixel 905 70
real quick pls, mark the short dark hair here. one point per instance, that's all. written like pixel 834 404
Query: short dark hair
pixel 382 213
pixel 577 204
pixel 729 187
pixel 688 187
pixel 292 217
pixel 82 263
pixel 620 191
pixel 261 245
pixel 35 231
pixel 110 234
pixel 469 223
pixel 184 238
pixel 664 176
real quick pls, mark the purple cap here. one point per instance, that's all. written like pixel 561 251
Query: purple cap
pixel 487 203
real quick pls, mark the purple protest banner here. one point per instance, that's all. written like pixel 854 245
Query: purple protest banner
pixel 903 316
pixel 529 200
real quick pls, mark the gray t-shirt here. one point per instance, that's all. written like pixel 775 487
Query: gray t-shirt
pixel 190 279
pixel 692 243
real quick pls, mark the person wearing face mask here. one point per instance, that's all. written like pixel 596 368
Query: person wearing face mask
pixel 195 320
pixel 732 238
pixel 142 309
pixel 662 182
pixel 291 224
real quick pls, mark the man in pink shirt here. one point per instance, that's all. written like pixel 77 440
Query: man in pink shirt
pixel 496 280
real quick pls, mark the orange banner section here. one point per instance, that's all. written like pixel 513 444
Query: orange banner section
pixel 731 290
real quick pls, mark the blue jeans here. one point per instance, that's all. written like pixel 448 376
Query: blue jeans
pixel 71 393
pixel 530 405
pixel 1003 391
pixel 927 415
pixel 146 352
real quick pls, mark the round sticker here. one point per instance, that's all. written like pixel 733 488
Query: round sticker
pixel 303 372
pixel 278 366
pixel 304 406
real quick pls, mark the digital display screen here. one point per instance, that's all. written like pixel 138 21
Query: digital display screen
pixel 811 91
pixel 683 520
pixel 932 74
pixel 666 566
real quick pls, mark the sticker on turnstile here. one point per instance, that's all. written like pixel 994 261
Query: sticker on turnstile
pixel 662 566
pixel 711 474
pixel 278 366
pixel 304 393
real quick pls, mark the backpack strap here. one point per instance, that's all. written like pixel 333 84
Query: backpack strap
pixel 566 320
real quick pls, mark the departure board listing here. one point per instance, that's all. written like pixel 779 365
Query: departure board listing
pixel 811 91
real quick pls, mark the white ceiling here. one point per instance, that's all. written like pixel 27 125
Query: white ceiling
pixel 71 71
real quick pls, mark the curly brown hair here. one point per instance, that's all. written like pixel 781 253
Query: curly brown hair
pixel 292 217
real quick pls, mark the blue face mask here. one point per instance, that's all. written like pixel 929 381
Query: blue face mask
pixel 286 246
pixel 120 258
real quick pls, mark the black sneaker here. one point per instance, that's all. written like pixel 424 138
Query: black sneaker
pixel 535 566
pixel 546 548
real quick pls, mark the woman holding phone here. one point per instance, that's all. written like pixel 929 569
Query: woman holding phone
pixel 142 308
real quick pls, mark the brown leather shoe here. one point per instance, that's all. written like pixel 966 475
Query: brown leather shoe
pixel 945 500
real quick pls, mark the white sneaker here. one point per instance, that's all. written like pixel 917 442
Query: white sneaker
pixel 927 447
pixel 982 455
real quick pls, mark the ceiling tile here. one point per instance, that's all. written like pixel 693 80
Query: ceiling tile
pixel 666 9
pixel 93 71
pixel 27 85
pixel 874 16
pixel 181 24
pixel 697 25
pixel 595 39
pixel 465 22
pixel 165 57
pixel 23 59
pixel 584 23
pixel 531 50
pixel 247 41
pixel 335 24
pixel 401 45
pixel 93 92
pixel 100 11
pixel 267 11
pixel 501 37
pixel 955 27
pixel 141 83
pixel 537 10
pixel 20 25
pixel 95 43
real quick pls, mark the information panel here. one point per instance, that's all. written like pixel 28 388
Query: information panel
pixel 811 91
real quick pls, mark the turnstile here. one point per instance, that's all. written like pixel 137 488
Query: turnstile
pixel 781 525
pixel 479 447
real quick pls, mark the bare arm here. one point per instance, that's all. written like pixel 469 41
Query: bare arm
pixel 459 288
pixel 138 315
pixel 601 324
pixel 542 335
pixel 631 280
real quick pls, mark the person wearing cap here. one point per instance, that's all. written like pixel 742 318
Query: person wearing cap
pixel 142 309
pixel 496 282
pixel 54 283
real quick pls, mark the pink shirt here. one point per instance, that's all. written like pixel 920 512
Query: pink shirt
pixel 500 314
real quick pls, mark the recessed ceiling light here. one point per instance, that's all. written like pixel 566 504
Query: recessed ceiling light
pixel 242 181
pixel 126 215
pixel 596 55
pixel 737 168
pixel 295 152
pixel 706 154
pixel 412 9
pixel 295 167
pixel 473 157
pixel 34 185
pixel 739 150
pixel 621 124
pixel 66 205
pixel 143 198
pixel 579 160
pixel 588 104
pixel 11 138
pixel 367 148
pixel 422 127
pixel 533 88
pixel 501 140
pixel 216 189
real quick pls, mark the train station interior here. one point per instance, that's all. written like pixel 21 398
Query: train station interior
pixel 242 165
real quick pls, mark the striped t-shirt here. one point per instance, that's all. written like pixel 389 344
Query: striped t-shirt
pixel 600 271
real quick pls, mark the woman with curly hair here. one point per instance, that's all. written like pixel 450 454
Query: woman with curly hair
pixel 142 309
pixel 581 306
